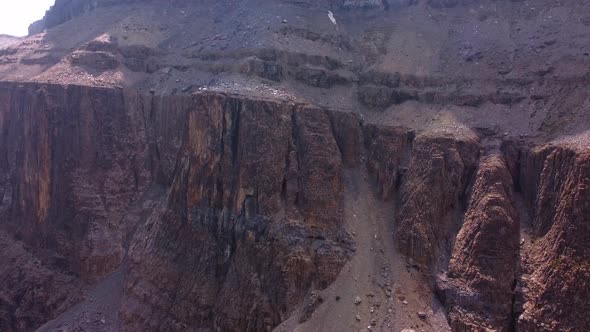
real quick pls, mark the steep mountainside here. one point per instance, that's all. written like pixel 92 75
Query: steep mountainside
pixel 335 165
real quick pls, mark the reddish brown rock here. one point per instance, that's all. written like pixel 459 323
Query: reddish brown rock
pixel 557 291
pixel 478 287
pixel 531 166
pixel 248 222
pixel 430 203
pixel 73 160
pixel 95 60
pixel 258 181
pixel 252 219
pixel 31 292
pixel 387 149
pixel 348 134
pixel 251 222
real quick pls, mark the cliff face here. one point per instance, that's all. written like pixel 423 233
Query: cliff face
pixel 248 178
pixel 254 208
pixel 296 165
pixel 31 291
pixel 64 10
pixel 430 202
pixel 558 261
pixel 74 159
pixel 247 216
pixel 478 288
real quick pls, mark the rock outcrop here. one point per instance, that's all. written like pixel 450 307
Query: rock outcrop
pixel 432 193
pixel 250 179
pixel 31 291
pixel 73 160
pixel 555 288
pixel 249 219
pixel 64 10
pixel 478 288
pixel 218 160
pixel 388 150
pixel 254 214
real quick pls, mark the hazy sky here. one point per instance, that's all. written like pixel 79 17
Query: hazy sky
pixel 16 15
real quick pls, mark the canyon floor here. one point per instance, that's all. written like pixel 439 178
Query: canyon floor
pixel 258 165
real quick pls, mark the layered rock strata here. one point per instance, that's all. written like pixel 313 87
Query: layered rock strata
pixel 248 217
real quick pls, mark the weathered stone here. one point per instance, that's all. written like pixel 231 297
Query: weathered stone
pixel 31 291
pixel 232 238
pixel 388 150
pixel 95 60
pixel 71 186
pixel 478 291
pixel 560 254
pixel 431 194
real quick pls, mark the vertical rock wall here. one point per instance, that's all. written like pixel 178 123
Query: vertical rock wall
pixel 478 288
pixel 251 223
pixel 250 219
pixel 556 289
pixel 73 160
pixel 432 194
